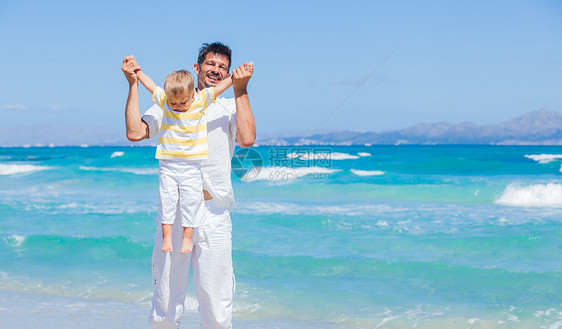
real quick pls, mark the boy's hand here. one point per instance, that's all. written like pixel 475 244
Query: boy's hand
pixel 136 65
pixel 129 68
pixel 241 76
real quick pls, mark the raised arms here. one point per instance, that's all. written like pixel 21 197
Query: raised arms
pixel 137 129
pixel 245 122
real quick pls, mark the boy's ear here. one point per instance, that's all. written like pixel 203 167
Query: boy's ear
pixel 196 68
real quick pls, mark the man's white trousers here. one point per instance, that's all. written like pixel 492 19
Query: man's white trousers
pixel 213 275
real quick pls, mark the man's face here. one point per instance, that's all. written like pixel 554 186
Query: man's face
pixel 213 70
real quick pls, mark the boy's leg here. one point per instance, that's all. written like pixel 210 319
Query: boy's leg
pixel 167 238
pixel 213 274
pixel 191 201
pixel 169 195
pixel 187 242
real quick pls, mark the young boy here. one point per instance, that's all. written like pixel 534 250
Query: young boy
pixel 182 143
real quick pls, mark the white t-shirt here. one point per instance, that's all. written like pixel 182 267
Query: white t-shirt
pixel 221 134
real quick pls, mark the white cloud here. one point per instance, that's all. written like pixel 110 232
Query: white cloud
pixel 13 107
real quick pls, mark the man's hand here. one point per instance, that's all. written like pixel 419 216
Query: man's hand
pixel 129 68
pixel 241 76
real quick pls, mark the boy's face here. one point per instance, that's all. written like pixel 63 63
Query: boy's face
pixel 213 70
pixel 182 103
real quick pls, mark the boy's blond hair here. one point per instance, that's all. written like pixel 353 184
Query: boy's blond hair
pixel 179 84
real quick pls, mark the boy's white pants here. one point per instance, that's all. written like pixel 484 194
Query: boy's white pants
pixel 213 275
pixel 181 186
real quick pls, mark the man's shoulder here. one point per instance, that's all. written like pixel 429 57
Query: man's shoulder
pixel 154 111
pixel 153 118
pixel 226 101
pixel 224 105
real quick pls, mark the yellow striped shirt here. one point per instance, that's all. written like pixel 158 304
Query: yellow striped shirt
pixel 183 135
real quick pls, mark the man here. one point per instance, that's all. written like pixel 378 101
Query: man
pixel 229 121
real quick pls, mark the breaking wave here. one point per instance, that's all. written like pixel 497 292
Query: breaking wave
pixel 535 195
pixel 363 173
pixel 544 158
pixel 117 154
pixel 12 169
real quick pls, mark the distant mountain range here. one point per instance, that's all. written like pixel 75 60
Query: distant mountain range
pixel 542 127
pixel 536 128
pixel 60 135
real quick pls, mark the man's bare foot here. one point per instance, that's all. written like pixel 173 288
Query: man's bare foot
pixel 186 246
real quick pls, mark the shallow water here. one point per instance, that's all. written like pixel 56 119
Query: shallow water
pixel 389 236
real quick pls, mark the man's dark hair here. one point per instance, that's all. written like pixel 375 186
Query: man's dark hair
pixel 214 48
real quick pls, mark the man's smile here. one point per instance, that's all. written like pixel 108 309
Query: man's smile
pixel 213 77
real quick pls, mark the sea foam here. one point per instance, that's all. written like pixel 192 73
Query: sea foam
pixel 15 240
pixel 117 154
pixel 106 209
pixel 11 169
pixel 285 208
pixel 137 171
pixel 535 195
pixel 544 158
pixel 367 172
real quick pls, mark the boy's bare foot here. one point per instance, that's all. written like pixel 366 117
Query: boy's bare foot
pixel 186 246
pixel 167 245
pixel 187 241
pixel 167 237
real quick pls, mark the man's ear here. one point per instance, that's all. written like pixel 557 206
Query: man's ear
pixel 196 68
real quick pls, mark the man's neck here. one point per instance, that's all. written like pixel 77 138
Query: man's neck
pixel 200 87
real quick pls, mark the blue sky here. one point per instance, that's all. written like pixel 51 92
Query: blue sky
pixel 454 61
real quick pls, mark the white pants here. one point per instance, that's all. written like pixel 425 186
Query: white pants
pixel 181 187
pixel 213 275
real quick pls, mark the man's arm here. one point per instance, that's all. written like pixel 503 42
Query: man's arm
pixel 137 129
pixel 245 123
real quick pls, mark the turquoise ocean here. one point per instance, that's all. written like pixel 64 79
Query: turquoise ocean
pixel 324 237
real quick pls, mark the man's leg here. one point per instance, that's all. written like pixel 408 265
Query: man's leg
pixel 213 275
pixel 170 272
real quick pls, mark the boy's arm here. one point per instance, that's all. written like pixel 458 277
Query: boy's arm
pixel 146 81
pixel 223 85
pixel 242 72
pixel 137 129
